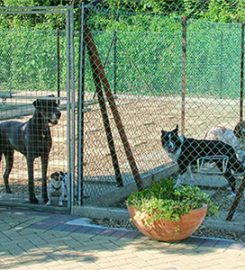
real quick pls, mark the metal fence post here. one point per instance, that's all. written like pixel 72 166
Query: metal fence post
pixel 70 105
pixel 183 93
pixel 242 71
pixel 58 62
pixel 115 62
pixel 81 85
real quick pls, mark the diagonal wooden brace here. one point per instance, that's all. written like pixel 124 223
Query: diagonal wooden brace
pixel 99 70
pixel 107 126
pixel 237 200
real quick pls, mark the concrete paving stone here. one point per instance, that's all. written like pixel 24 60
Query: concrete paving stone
pixel 82 237
pixel 82 229
pixel 71 241
pixel 5 254
pixel 80 267
pixel 137 261
pixel 26 245
pixel 91 266
pixel 69 265
pixel 21 268
pixel 4 237
pixel 5 266
pixel 237 253
pixel 37 241
pixel 155 267
pixel 237 246
pixel 111 268
pixel 124 257
pixel 52 262
pixel 150 255
pixel 109 264
pixel 17 251
pixel 239 267
pixel 207 265
pixel 38 267
pixel 129 267
pixel 66 245
pixel 121 252
pixel 178 264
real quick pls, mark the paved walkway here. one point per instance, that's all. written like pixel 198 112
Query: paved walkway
pixel 35 241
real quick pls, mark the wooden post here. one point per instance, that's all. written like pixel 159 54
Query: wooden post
pixel 106 123
pixel 239 194
pixel 99 69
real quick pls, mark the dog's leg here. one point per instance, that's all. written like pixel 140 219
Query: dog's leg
pixel 33 199
pixel 232 181
pixel 49 195
pixel 190 175
pixel 179 181
pixel 44 160
pixel 62 196
pixel 9 158
pixel 229 176
pixel 183 166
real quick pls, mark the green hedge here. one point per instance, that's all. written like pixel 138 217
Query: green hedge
pixel 147 62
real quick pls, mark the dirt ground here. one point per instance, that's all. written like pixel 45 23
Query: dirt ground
pixel 143 119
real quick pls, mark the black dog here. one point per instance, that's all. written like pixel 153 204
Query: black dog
pixel 186 151
pixel 32 139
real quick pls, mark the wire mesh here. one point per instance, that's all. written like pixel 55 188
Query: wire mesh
pixel 34 71
pixel 160 72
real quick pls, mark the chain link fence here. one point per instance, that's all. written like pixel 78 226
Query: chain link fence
pixel 142 73
pixel 142 69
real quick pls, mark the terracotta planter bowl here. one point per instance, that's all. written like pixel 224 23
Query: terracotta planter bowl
pixel 171 231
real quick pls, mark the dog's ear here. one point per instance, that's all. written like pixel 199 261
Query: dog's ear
pixel 239 129
pixel 176 130
pixel 54 175
pixel 37 103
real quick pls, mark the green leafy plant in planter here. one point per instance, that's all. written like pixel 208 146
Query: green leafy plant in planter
pixel 162 204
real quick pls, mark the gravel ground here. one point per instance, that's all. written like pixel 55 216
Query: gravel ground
pixel 202 231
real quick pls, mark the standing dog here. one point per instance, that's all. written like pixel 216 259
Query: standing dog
pixel 58 186
pixel 186 151
pixel 235 137
pixel 33 140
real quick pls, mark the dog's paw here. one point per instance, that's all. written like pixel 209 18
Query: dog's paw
pixel 8 190
pixel 46 200
pixel 60 203
pixel 34 200
pixel 177 185
pixel 48 203
pixel 232 194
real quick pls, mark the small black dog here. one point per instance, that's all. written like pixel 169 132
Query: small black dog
pixel 33 140
pixel 186 151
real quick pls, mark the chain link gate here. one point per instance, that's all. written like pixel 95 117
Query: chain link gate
pixel 37 69
pixel 141 73
pixel 138 74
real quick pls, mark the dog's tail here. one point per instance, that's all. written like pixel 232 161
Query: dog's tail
pixel 235 164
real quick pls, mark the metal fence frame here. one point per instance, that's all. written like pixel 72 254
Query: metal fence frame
pixel 81 88
pixel 67 11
